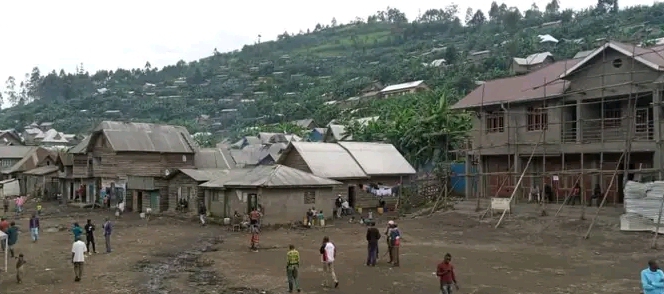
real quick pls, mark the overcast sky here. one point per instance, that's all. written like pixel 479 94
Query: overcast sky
pixel 125 34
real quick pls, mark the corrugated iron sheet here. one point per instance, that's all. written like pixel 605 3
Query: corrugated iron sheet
pixel 43 170
pixel 214 158
pixel 329 160
pixel 378 158
pixel 204 175
pixel 275 176
pixel 144 137
pixel 14 151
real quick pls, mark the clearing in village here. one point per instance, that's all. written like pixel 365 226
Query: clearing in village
pixel 167 255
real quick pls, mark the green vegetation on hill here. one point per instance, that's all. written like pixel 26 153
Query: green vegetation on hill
pixel 291 78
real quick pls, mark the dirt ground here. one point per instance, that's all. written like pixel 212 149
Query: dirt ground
pixel 168 255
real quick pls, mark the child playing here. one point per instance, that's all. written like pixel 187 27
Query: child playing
pixel 19 268
pixel 254 238
pixel 320 217
pixel 39 208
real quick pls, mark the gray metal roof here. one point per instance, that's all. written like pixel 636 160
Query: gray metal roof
pixel 339 132
pixel 81 147
pixel 43 170
pixel 253 154
pixel 303 123
pixel 329 160
pixel 204 175
pixel 14 151
pixel 214 158
pixel 378 158
pixel 270 176
pixel 144 137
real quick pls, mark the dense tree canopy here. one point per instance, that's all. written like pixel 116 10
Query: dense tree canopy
pixel 275 82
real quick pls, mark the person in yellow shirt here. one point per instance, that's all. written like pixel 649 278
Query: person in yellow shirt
pixel 292 267
pixel 39 208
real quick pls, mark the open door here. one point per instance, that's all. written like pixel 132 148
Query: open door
pixel 351 196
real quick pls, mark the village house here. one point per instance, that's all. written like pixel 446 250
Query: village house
pixel 10 138
pixel 355 164
pixel 137 156
pixel 306 124
pixel 577 115
pixel 405 88
pixel 317 134
pixel 336 132
pixel 15 167
pixel 531 62
pixel 282 193
pixel 210 164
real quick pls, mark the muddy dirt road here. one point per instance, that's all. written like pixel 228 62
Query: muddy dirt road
pixel 173 256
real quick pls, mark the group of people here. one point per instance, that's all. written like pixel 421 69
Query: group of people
pixel 574 196
pixel 328 251
pixel 80 248
pixel 18 204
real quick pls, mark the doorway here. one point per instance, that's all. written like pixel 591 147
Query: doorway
pixel 72 191
pixel 351 196
pixel 139 201
pixel 252 202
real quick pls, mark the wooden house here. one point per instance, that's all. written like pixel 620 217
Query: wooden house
pixel 356 164
pixel 138 156
pixel 282 193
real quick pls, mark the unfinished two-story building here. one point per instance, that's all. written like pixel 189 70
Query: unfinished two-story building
pixel 576 117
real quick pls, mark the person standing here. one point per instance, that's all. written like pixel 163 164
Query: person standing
pixel 254 218
pixel 34 227
pixel 329 253
pixel 108 228
pixel 652 279
pixel 90 236
pixel 78 250
pixel 20 262
pixel 77 231
pixel 337 204
pixel 254 238
pixel 373 235
pixel 445 271
pixel 292 269
pixel 395 242
pixel 4 226
pixel 389 244
pixel 5 204
pixel 12 238
pixel 202 212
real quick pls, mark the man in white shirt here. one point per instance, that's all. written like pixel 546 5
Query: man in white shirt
pixel 78 250
pixel 328 252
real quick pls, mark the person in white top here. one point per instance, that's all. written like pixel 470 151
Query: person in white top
pixel 78 250
pixel 328 253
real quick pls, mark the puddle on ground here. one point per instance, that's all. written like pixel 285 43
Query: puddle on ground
pixel 202 277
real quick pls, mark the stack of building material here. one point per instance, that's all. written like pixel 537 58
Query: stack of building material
pixel 642 205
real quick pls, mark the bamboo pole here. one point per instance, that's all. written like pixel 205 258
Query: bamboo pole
pixel 520 179
pixel 658 225
pixel 480 172
pixel 606 193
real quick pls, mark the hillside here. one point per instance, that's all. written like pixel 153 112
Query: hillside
pixel 291 78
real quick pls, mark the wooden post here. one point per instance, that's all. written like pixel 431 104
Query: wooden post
pixel 606 193
pixel 657 226
pixel 532 153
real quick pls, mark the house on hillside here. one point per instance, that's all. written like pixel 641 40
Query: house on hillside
pixel 356 164
pixel 317 134
pixel 281 192
pixel 138 156
pixel 21 159
pixel 306 124
pixel 531 62
pixel 10 138
pixel 577 116
pixel 404 88
pixel 257 154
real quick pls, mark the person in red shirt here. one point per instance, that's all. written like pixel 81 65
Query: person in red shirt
pixel 445 272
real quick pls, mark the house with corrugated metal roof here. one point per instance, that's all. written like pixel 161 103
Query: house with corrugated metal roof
pixel 31 158
pixel 184 195
pixel 531 62
pixel 404 88
pixel 282 193
pixel 573 115
pixel 356 164
pixel 137 156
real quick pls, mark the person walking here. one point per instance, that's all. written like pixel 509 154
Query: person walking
pixel 328 252
pixel 389 244
pixel 373 235
pixel 12 238
pixel 20 263
pixel 90 236
pixel 445 271
pixel 395 242
pixel 202 212
pixel 292 269
pixel 78 250
pixel 34 227
pixel 77 231
pixel 108 228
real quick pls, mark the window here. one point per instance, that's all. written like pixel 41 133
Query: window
pixel 310 197
pixel 6 163
pixel 612 114
pixel 495 122
pixel 617 63
pixel 537 119
pixel 215 196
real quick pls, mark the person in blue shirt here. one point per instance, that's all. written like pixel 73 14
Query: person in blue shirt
pixel 77 231
pixel 652 279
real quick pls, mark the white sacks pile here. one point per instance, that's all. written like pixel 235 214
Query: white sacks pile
pixel 642 204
